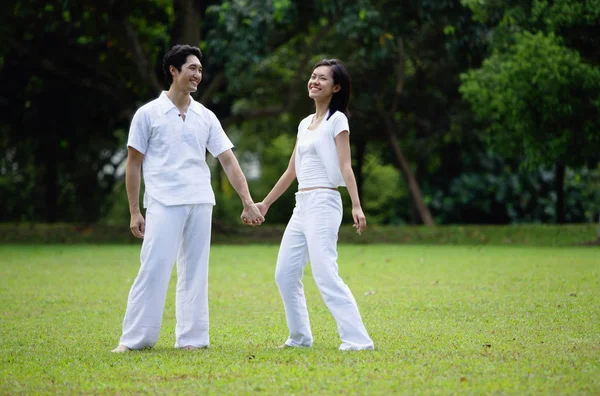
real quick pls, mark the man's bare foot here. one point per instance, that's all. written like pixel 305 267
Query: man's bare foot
pixel 193 348
pixel 120 349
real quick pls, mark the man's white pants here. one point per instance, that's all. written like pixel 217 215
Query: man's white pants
pixel 181 233
pixel 312 235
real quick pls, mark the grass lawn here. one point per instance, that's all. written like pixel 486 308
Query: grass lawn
pixel 445 320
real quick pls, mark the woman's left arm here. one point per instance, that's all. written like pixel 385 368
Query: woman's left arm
pixel 342 144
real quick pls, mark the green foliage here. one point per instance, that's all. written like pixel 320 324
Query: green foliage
pixel 545 15
pixel 17 179
pixel 72 73
pixel 485 320
pixel 274 161
pixel 117 206
pixel 563 13
pixel 382 189
pixel 240 38
pixel 491 190
pixel 538 100
pixel 590 187
pixel 270 234
pixel 228 209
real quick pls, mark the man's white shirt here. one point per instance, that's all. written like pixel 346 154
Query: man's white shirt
pixel 174 167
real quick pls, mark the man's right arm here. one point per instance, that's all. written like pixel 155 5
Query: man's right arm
pixel 133 177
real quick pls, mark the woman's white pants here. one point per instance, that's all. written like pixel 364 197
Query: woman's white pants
pixel 173 233
pixel 311 235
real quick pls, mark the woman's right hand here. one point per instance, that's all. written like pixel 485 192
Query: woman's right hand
pixel 263 207
pixel 360 221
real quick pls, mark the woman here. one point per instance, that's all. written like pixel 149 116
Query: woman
pixel 321 162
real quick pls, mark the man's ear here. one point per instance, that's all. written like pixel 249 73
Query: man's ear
pixel 172 70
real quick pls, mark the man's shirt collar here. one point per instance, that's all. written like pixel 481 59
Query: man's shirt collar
pixel 166 104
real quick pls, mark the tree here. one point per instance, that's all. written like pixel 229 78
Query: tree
pixel 73 73
pixel 540 99
pixel 404 61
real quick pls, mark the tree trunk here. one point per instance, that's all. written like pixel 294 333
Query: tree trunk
pixel 359 143
pixel 559 179
pixel 390 131
pixel 188 22
pixel 598 230
pixel 47 174
pixel 413 185
pixel 46 152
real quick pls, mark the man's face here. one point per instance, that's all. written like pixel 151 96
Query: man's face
pixel 189 77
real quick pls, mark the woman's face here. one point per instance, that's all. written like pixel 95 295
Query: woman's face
pixel 321 85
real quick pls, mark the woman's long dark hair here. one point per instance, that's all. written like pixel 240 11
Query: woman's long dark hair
pixel 340 99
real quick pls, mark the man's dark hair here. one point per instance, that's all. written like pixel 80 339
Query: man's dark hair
pixel 176 57
pixel 340 99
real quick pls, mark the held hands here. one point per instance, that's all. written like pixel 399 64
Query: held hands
pixel 137 225
pixel 251 215
pixel 360 221
pixel 263 207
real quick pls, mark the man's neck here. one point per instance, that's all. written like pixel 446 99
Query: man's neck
pixel 179 98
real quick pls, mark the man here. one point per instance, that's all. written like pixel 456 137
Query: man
pixel 169 137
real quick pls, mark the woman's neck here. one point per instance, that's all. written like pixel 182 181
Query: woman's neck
pixel 321 109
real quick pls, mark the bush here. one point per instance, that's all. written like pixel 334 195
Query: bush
pixel 538 235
